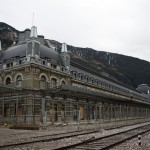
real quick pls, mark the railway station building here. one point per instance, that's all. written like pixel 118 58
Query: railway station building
pixel 38 84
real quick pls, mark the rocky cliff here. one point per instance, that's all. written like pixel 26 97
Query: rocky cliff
pixel 8 35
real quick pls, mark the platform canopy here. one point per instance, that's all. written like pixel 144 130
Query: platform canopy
pixel 80 93
pixel 69 91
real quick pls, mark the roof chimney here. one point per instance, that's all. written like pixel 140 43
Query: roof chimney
pixel 27 34
pixel 21 37
pixel 64 48
pixel 41 39
pixel 33 32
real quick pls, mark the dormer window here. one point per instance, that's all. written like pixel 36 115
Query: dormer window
pixel 92 81
pixel 43 62
pixel 36 49
pixel 8 65
pixel 19 62
pixel 33 48
pixel 87 79
pixel 81 77
pixel 62 69
pixel 97 82
pixel 29 49
pixel 75 74
pixel 53 66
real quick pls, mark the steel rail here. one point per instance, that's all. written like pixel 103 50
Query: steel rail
pixel 48 138
pixel 107 142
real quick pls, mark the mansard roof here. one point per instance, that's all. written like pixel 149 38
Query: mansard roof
pixel 20 51
pixel 14 51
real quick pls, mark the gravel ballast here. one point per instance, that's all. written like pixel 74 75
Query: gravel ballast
pixel 8 136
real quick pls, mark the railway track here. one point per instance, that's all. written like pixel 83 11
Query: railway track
pixel 107 142
pixel 91 143
pixel 46 138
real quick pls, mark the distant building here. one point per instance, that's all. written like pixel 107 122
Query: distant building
pixel 143 88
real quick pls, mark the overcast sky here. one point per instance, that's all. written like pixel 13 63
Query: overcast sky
pixel 118 26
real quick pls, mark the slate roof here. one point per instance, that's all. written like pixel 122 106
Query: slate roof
pixel 20 51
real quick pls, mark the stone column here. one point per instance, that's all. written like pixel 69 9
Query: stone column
pixel 52 117
pixel 78 110
pixel 16 109
pixel 95 116
pixel 103 113
pixel 111 111
pixel 25 105
pixel 127 112
pixel 87 110
pixel 146 112
pixel 120 112
pixel 43 110
pixel 33 108
pixel 65 113
pixel 115 111
pixel 10 107
pixel 100 110
pixel 3 107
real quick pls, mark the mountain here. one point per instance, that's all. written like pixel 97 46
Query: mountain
pixel 128 70
pixel 8 35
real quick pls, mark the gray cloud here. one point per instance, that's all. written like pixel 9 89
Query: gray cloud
pixel 119 26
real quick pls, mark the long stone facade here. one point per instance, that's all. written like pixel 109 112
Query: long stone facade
pixel 41 86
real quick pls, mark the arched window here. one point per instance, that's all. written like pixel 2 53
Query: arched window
pixel 18 80
pixel 8 81
pixel 43 78
pixel 53 83
pixel 43 82
pixel 63 82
